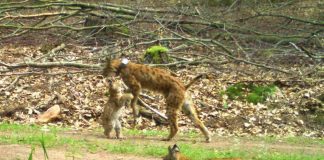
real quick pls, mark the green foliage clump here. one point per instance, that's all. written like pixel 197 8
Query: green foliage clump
pixel 260 93
pixel 157 55
pixel 251 93
pixel 235 91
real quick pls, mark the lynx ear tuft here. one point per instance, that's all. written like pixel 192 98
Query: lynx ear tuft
pixel 175 148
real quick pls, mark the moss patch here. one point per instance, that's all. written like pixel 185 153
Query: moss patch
pixel 157 55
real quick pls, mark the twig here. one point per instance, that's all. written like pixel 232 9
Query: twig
pixel 313 22
pixel 147 96
pixel 229 53
pixel 310 54
pixel 52 52
pixel 295 46
pixel 11 86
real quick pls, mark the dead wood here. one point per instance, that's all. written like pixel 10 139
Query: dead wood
pixel 151 116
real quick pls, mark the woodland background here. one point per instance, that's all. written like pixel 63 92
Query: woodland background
pixel 264 60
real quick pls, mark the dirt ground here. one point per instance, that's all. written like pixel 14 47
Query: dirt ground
pixel 21 152
pixel 15 151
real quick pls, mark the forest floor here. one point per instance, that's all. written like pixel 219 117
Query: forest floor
pixel 65 151
pixel 290 112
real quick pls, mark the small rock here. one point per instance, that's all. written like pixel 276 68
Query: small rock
pixel 50 114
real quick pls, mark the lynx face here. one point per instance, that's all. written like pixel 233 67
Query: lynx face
pixel 111 68
pixel 174 154
pixel 114 87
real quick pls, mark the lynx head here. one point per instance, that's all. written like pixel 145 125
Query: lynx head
pixel 173 153
pixel 114 87
pixel 112 67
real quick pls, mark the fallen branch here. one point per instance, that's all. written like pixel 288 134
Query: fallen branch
pixel 313 22
pixel 51 52
pixel 50 65
pixel 151 116
pixel 42 73
pixel 152 109
pixel 12 85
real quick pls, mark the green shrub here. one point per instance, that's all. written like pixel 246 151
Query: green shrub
pixel 235 91
pixel 251 93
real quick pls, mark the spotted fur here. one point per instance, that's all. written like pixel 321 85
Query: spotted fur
pixel 139 76
pixel 112 111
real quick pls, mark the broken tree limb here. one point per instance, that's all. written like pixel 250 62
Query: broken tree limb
pixel 152 109
pixel 151 116
pixel 49 65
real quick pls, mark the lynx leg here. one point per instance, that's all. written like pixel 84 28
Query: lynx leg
pixel 118 130
pixel 108 127
pixel 191 113
pixel 106 123
pixel 135 88
pixel 134 108
pixel 174 103
pixel 173 122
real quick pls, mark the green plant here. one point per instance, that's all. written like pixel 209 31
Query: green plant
pixel 235 91
pixel 42 141
pixel 250 92
pixel 30 157
pixel 157 54
pixel 259 94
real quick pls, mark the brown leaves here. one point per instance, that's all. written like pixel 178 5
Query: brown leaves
pixel 78 99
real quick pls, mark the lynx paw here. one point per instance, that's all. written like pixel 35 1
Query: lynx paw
pixel 208 140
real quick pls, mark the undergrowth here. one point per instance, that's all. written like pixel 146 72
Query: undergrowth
pixel 250 92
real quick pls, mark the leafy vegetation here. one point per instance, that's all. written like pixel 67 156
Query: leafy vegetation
pixel 42 141
pixel 30 157
pixel 250 92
